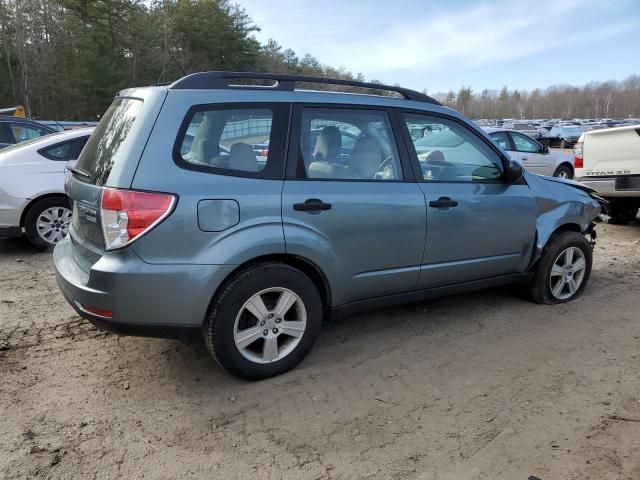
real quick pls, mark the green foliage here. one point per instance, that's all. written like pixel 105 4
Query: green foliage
pixel 66 59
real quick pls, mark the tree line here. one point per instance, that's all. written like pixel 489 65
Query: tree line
pixel 612 99
pixel 65 59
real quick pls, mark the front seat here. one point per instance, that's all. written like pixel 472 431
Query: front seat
pixel 325 155
pixel 328 145
pixel 242 157
pixel 205 151
pixel 366 158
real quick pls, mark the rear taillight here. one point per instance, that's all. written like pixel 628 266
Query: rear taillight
pixel 127 214
pixel 578 161
pixel 264 152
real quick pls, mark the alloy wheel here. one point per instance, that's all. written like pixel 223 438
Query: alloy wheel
pixel 567 273
pixel 270 325
pixel 52 224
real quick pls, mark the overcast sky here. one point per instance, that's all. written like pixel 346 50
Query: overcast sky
pixel 441 45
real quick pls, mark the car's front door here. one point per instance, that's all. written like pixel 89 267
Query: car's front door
pixel 355 214
pixel 478 226
pixel 530 154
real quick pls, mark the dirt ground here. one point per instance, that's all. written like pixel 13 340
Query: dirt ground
pixel 479 386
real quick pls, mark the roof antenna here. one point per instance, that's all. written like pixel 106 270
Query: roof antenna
pixel 178 64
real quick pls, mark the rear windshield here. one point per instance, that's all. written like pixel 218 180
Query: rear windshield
pixel 101 151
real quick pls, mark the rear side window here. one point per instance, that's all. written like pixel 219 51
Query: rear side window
pixel 244 140
pixel 23 132
pixel 501 139
pixel 64 151
pixel 101 151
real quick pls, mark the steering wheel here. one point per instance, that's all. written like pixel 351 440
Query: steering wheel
pixel 387 168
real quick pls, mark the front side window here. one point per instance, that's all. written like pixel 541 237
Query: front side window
pixel 234 140
pixel 524 143
pixel 347 144
pixel 64 151
pixel 450 152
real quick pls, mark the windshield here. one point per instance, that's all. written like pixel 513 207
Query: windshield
pixel 101 151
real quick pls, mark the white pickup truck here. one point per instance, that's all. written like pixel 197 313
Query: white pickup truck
pixel 609 161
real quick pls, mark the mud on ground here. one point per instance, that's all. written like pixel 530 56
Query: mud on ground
pixel 477 386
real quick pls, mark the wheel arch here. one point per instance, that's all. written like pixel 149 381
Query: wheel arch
pixel 567 164
pixel 306 266
pixel 33 201
pixel 543 239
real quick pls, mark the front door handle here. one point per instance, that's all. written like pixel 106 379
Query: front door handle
pixel 311 204
pixel 443 202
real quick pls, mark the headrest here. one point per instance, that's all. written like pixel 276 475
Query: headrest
pixel 328 144
pixel 242 157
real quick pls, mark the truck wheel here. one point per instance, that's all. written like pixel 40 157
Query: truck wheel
pixel 264 321
pixel 621 213
pixel 47 222
pixel 563 171
pixel 563 269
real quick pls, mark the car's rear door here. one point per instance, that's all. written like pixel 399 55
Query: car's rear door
pixel 478 226
pixel 359 217
pixel 504 141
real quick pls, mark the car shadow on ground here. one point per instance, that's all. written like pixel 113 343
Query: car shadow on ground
pixel 352 340
pixel 18 246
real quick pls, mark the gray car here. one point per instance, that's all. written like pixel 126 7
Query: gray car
pixel 178 227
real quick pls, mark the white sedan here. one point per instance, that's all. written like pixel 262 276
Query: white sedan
pixel 32 175
pixel 533 156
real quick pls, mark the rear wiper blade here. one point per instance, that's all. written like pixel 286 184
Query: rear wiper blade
pixel 79 172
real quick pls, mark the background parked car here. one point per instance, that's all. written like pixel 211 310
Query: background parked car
pixel 524 128
pixel 532 155
pixel 32 198
pixel 16 130
pixel 609 161
pixel 563 136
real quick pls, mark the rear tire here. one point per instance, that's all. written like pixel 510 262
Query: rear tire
pixel 563 171
pixel 250 313
pixel 47 222
pixel 560 276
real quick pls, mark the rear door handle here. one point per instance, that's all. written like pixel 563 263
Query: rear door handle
pixel 311 204
pixel 443 202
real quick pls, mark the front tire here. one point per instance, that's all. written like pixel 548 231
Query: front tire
pixel 563 270
pixel 47 222
pixel 264 321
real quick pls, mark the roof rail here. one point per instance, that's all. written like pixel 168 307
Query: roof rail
pixel 222 80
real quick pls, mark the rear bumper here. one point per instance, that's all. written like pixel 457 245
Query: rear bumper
pixel 144 299
pixel 610 186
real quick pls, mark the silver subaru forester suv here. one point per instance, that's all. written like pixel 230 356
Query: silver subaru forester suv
pixel 238 207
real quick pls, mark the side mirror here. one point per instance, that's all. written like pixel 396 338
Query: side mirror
pixel 545 149
pixel 514 172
